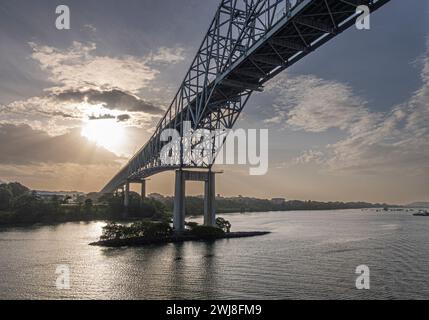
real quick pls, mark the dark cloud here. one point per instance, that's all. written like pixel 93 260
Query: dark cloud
pixel 21 145
pixel 102 117
pixel 123 117
pixel 113 99
pixel 59 114
pixel 119 118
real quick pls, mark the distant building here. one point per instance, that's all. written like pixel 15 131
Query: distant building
pixel 72 197
pixel 278 200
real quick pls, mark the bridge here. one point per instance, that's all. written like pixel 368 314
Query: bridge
pixel 248 43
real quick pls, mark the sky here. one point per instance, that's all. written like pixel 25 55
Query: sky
pixel 349 122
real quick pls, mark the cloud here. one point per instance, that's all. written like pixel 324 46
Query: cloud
pixel 113 99
pixel 102 117
pixel 398 143
pixel 86 85
pixel 168 55
pixel 123 117
pixel 22 145
pixel 119 118
pixel 394 143
pixel 60 176
pixel 79 66
pixel 310 156
pixel 316 105
pixel 56 113
pixel 90 28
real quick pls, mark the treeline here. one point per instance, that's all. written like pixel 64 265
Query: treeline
pixel 19 205
pixel 195 205
pixel 162 230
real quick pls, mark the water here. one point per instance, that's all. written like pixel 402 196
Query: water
pixel 309 255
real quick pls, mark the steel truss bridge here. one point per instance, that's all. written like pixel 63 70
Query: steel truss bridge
pixel 248 43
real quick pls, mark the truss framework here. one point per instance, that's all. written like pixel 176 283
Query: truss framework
pixel 248 43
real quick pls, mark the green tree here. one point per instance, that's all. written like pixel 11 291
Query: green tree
pixel 66 200
pixel 30 208
pixel 55 201
pixel 223 224
pixel 5 197
pixel 113 231
pixel 191 225
pixel 88 205
pixel 17 189
pixel 147 229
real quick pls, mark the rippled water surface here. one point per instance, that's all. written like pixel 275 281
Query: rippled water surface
pixel 308 255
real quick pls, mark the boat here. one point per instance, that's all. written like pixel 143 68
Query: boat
pixel 422 213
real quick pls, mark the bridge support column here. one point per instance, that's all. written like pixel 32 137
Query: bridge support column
pixel 209 200
pixel 179 202
pixel 126 198
pixel 143 193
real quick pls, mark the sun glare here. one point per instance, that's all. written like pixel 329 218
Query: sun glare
pixel 105 133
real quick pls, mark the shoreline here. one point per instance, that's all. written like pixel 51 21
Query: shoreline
pixel 141 241
pixel 55 223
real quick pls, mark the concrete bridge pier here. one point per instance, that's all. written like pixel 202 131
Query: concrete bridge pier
pixel 143 193
pixel 180 193
pixel 126 198
pixel 126 194
pixel 209 200
pixel 179 202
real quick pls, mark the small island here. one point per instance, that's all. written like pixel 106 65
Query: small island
pixel 149 232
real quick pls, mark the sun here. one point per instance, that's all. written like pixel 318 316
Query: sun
pixel 107 133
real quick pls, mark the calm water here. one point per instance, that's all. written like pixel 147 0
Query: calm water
pixel 308 255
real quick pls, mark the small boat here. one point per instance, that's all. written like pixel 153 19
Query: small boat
pixel 422 213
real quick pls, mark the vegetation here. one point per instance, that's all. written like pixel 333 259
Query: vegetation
pixel 223 224
pixel 191 225
pixel 195 205
pixel 148 229
pixel 19 205
pixel 149 209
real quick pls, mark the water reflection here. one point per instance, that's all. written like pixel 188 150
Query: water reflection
pixel 308 255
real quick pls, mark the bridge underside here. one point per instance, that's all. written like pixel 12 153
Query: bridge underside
pixel 207 177
pixel 230 66
pixel 248 43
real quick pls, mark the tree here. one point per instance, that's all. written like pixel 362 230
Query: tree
pixel 55 201
pixel 66 200
pixel 30 208
pixel 154 230
pixel 88 205
pixel 191 225
pixel 9 192
pixel 223 224
pixel 113 231
pixel 147 229
pixel 17 189
pixel 5 197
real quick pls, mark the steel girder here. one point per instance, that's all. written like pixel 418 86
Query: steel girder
pixel 248 43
